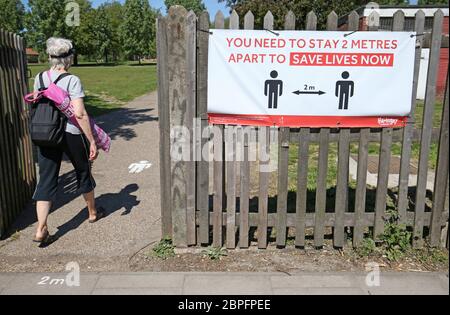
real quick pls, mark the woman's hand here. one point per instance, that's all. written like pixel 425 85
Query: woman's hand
pixel 93 152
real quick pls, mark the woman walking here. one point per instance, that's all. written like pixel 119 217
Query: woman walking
pixel 78 143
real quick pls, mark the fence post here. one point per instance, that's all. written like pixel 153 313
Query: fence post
pixel 283 166
pixel 191 113
pixel 263 211
pixel 283 173
pixel 445 231
pixel 361 186
pixel 385 156
pixel 430 99
pixel 23 125
pixel 17 112
pixel 28 158
pixel 440 183
pixel 202 114
pixel 403 185
pixel 249 24
pixel 178 101
pixel 20 194
pixel 218 167
pixel 3 169
pixel 230 173
pixel 230 147
pixel 341 203
pixel 164 128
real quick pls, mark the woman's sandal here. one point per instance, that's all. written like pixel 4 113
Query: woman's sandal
pixel 45 240
pixel 100 215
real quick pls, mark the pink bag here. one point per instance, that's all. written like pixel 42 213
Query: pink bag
pixel 61 98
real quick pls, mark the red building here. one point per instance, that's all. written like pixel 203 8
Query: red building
pixel 386 19
pixel 32 56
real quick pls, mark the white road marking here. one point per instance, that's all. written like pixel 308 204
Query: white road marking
pixel 139 167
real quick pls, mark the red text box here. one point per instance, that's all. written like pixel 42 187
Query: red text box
pixel 341 59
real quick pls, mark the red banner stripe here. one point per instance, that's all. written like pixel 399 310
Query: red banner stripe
pixel 308 121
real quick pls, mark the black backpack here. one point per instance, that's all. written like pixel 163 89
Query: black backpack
pixel 47 123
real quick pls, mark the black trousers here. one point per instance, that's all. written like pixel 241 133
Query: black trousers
pixel 76 147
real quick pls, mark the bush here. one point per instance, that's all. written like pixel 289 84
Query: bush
pixel 215 253
pixel 396 240
pixel 164 249
pixel 367 248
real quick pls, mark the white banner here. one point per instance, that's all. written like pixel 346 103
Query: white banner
pixel 310 79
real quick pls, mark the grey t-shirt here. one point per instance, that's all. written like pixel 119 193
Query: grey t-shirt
pixel 71 84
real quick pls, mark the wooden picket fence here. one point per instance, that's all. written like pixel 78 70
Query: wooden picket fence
pixel 17 170
pixel 209 203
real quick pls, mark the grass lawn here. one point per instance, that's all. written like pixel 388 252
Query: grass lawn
pixel 374 149
pixel 108 87
pixel 396 149
pixel 436 117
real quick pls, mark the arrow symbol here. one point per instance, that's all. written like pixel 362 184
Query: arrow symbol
pixel 309 92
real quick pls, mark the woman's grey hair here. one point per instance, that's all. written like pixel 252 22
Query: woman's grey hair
pixel 59 51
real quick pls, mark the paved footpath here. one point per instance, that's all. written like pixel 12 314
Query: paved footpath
pixel 131 201
pixel 225 284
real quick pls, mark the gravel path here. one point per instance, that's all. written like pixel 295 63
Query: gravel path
pixel 131 201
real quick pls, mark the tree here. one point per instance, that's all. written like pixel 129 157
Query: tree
pixel 301 8
pixel 392 2
pixel 138 30
pixel 150 27
pixel 432 2
pixel 46 18
pixel 114 11
pixel 101 33
pixel 81 35
pixel 12 14
pixel 195 5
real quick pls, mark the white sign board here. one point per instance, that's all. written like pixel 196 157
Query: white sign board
pixel 310 79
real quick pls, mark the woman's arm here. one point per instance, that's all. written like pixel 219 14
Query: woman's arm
pixel 83 120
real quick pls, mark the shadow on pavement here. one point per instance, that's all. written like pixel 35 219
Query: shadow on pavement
pixel 67 192
pixel 119 123
pixel 110 202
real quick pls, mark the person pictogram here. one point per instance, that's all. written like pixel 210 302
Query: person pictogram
pixel 345 89
pixel 273 89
